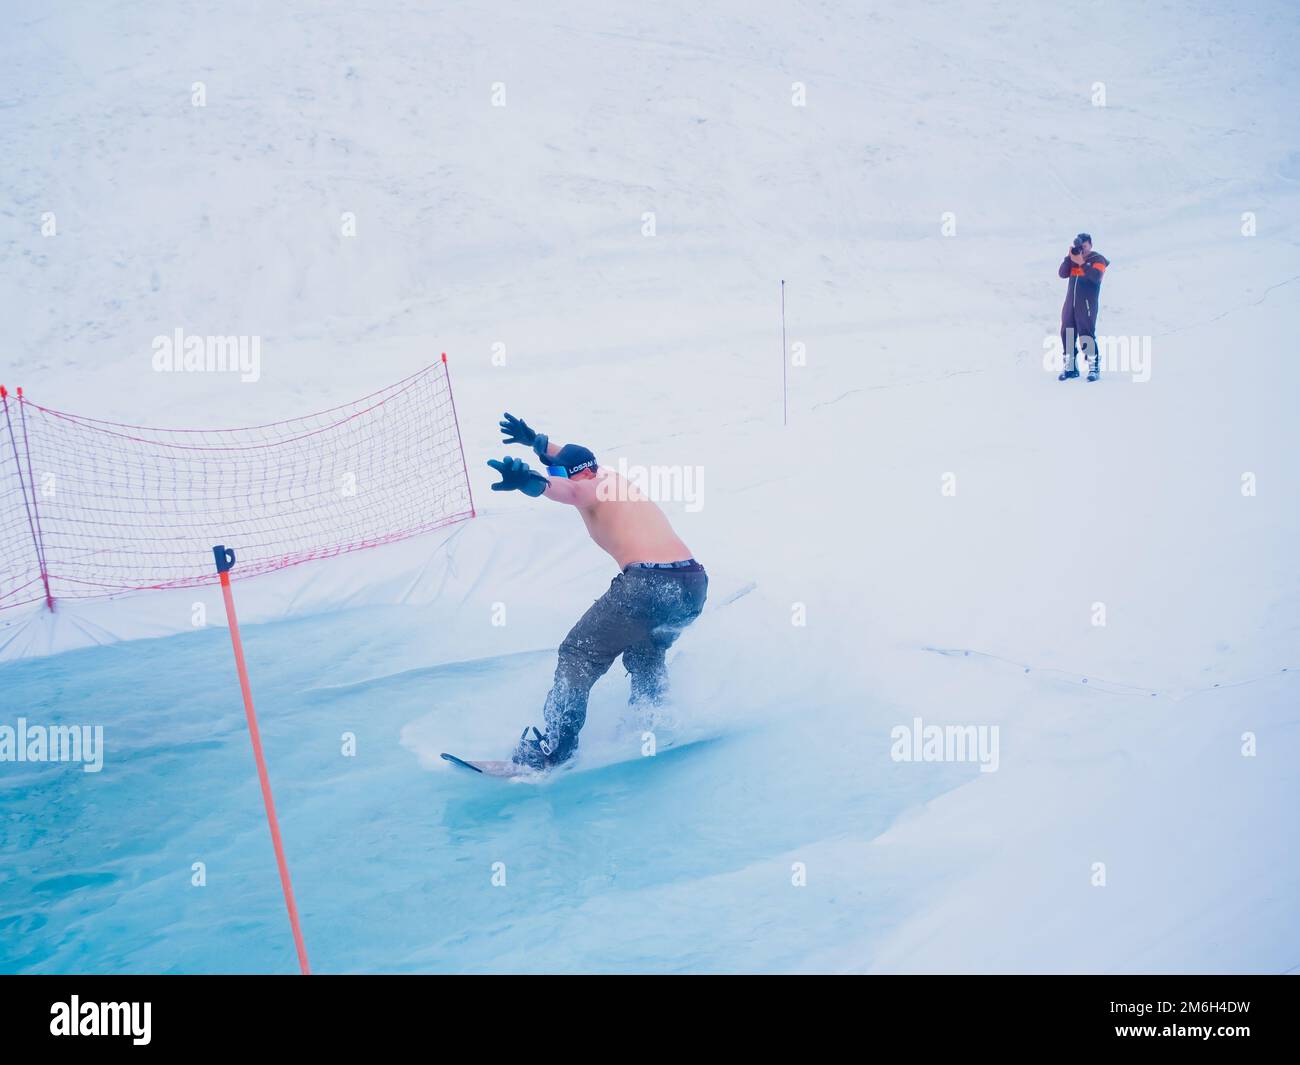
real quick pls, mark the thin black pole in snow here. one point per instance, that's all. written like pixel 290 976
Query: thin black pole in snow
pixel 785 391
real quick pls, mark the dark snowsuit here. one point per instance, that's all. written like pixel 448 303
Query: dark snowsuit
pixel 639 617
pixel 1079 313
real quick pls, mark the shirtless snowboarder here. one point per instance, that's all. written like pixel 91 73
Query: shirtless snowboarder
pixel 660 590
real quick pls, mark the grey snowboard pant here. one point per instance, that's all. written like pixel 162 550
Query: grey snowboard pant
pixel 639 617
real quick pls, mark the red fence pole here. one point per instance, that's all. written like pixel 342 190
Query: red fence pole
pixel 225 559
pixel 28 485
pixel 459 439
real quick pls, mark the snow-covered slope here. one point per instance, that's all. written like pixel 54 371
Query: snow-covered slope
pixel 484 229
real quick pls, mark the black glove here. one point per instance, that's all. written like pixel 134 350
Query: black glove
pixel 516 431
pixel 516 476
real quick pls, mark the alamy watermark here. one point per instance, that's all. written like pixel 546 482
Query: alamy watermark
pixel 661 484
pixel 1115 354
pixel 179 353
pixel 53 743
pixel 77 1018
pixel 920 742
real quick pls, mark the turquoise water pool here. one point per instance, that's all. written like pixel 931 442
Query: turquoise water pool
pixel 682 862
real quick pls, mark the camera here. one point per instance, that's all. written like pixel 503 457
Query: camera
pixel 1076 249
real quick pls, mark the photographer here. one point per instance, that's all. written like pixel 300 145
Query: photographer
pixel 1084 267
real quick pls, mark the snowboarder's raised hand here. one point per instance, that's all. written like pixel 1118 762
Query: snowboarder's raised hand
pixel 516 476
pixel 515 431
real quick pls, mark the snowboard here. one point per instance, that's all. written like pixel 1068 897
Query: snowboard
pixel 489 769
pixel 506 770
